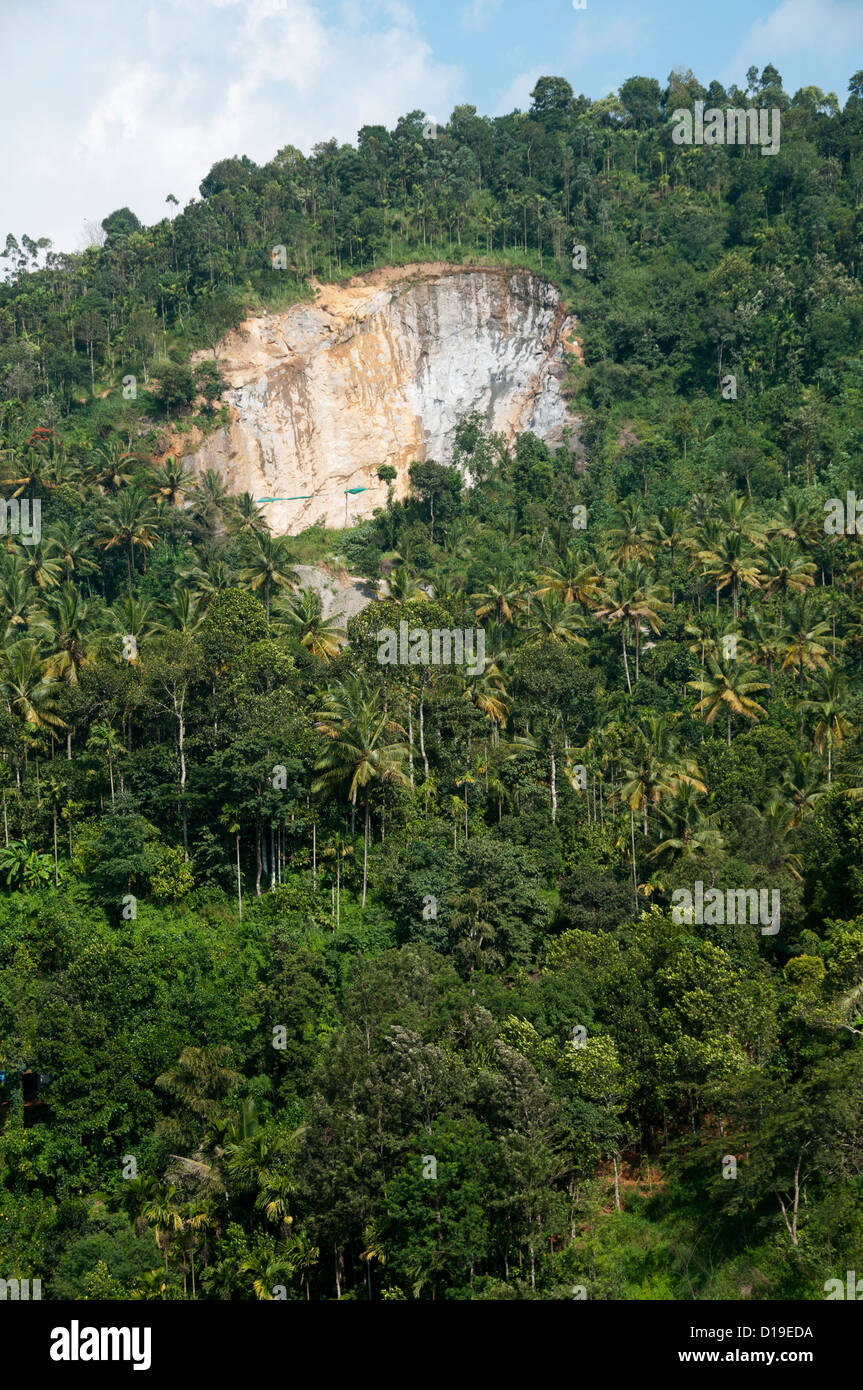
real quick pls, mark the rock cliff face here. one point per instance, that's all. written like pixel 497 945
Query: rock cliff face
pixel 378 371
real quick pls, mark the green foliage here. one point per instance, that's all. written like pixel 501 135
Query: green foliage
pixel 361 979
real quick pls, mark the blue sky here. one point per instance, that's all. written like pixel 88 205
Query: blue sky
pixel 104 105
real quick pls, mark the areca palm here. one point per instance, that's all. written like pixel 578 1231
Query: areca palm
pixel 268 565
pixel 129 519
pixel 730 686
pixel 338 850
pixel 106 743
pixel 268 1268
pixel 161 1212
pixel 367 746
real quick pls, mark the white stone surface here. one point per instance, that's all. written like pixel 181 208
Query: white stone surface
pixel 379 371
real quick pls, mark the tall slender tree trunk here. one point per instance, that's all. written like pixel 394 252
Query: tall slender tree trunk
pixel 366 849
pixel 634 870
pixel 239 879
pixel 625 662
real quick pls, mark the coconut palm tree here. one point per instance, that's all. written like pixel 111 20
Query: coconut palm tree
pixel 764 640
pixel 830 707
pixel 212 504
pixel 42 563
pixel 129 519
pixel 106 743
pixel 72 544
pixel 798 519
pixel 737 514
pixel 109 467
pixel 633 537
pixel 301 615
pixel 555 621
pixel 803 785
pixel 629 598
pixel 786 570
pixel 129 617
pixel 570 579
pixel 775 826
pixel 26 689
pixel 803 638
pixel 185 611
pixel 247 518
pixel 503 598
pixel 729 686
pixel 64 623
pixel 268 565
pixel 486 691
pixel 210 578
pixel 400 586
pixel 367 746
pixel 731 564
pixel 16 594
pixel 688 832
pixel 171 484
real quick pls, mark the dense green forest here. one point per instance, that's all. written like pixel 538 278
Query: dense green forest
pixel 326 978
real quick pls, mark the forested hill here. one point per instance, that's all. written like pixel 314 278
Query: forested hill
pixel 326 977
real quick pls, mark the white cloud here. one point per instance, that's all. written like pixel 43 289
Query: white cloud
pixel 590 38
pixel 477 14
pixel 814 30
pixel 130 105
pixel 517 94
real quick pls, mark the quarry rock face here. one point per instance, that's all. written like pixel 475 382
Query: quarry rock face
pixel 378 371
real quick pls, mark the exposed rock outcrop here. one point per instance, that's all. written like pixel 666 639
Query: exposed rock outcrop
pixel 378 371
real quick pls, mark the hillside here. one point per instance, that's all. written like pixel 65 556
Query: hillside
pixel 502 939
